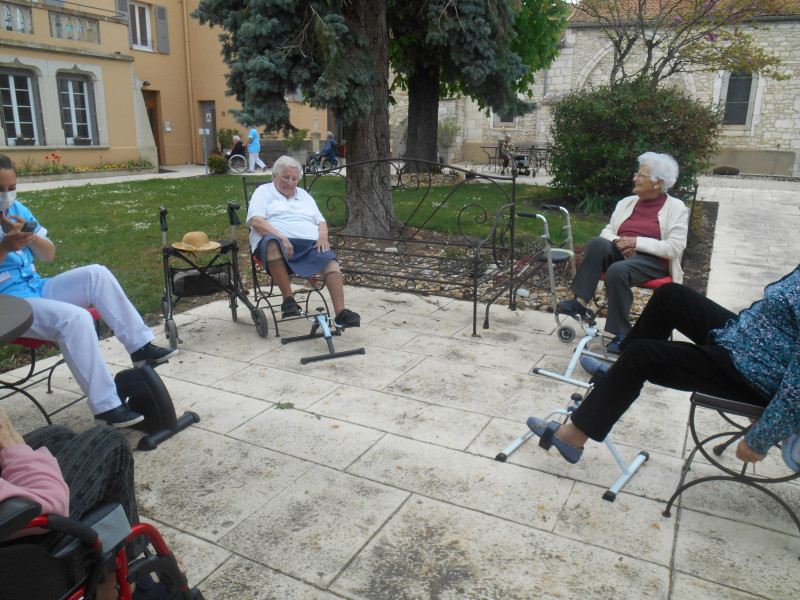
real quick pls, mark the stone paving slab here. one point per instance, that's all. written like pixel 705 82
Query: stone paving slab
pixel 380 481
pixel 434 550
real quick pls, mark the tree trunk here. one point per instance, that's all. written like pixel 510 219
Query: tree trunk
pixel 423 116
pixel 369 195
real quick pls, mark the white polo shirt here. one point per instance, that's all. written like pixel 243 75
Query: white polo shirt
pixel 297 217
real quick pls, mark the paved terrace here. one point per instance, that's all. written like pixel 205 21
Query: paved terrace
pixel 379 483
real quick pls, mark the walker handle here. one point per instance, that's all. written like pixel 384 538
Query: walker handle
pixel 232 216
pixel 163 212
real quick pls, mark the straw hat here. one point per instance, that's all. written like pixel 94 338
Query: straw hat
pixel 196 241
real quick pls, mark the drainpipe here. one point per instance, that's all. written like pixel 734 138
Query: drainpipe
pixel 192 111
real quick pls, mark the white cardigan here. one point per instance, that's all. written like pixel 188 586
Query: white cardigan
pixel 673 219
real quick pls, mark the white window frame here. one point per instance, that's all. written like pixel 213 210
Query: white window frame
pixel 755 84
pixel 76 86
pixel 8 78
pixel 140 14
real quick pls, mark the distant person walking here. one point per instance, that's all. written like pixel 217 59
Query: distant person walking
pixel 253 148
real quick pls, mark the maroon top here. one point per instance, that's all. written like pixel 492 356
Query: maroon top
pixel 643 221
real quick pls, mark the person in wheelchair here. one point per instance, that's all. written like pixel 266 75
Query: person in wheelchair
pixel 59 303
pixel 329 150
pixel 288 234
pixel 238 148
pixel 644 240
pixel 70 475
pixel 752 357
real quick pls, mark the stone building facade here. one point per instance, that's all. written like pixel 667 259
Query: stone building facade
pixel 766 139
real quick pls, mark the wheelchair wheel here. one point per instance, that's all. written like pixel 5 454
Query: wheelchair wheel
pixel 237 163
pixel 232 302
pixel 172 333
pixel 260 319
pixel 312 166
pixel 566 334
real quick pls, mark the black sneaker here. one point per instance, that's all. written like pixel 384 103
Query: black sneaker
pixel 347 318
pixel 152 355
pixel 121 416
pixel 290 308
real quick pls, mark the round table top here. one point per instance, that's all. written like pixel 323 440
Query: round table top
pixel 16 317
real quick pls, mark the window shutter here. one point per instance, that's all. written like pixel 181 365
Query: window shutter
pixel 162 32
pixel 122 7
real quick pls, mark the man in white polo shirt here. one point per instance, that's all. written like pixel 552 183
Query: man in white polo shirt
pixel 289 234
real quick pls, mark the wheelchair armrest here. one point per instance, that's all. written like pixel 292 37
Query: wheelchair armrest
pixel 105 522
pixel 15 513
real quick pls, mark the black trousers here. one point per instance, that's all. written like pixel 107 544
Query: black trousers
pixel 602 256
pixel 649 355
pixel 96 464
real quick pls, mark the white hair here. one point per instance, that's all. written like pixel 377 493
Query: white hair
pixel 330 134
pixel 237 138
pixel 662 166
pixel 285 162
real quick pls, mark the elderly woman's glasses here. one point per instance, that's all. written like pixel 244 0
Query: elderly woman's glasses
pixel 288 179
pixel 640 175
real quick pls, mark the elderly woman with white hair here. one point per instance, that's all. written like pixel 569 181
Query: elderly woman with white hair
pixel 289 235
pixel 644 240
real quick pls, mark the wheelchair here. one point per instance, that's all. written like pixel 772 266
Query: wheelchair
pixel 70 562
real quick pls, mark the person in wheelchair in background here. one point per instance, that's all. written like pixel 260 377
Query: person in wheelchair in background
pixel 752 357
pixel 330 151
pixel 644 240
pixel 288 234
pixel 238 148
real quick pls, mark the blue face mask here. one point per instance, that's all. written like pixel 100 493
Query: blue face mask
pixel 7 199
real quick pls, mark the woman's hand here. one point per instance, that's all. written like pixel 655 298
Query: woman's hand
pixel 14 239
pixel 287 246
pixel 323 245
pixel 8 435
pixel 746 454
pixel 11 222
pixel 626 245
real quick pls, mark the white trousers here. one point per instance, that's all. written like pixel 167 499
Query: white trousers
pixel 255 159
pixel 60 316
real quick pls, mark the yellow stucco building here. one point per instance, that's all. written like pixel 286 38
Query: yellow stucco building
pixel 113 81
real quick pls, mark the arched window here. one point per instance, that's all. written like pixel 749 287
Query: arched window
pixel 20 20
pixel 9 22
pixel 68 28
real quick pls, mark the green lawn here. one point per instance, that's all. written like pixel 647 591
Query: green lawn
pixel 118 224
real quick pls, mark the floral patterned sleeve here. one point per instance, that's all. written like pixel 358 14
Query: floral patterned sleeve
pixel 781 418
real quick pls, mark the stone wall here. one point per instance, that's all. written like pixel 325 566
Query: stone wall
pixel 769 145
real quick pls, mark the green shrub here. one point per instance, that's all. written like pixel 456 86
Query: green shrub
pixel 447 132
pixel 225 137
pixel 598 133
pixel 296 140
pixel 217 164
